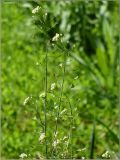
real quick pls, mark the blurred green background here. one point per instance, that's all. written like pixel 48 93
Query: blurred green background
pixel 87 62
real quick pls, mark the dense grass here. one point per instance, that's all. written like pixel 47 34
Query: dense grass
pixel 73 95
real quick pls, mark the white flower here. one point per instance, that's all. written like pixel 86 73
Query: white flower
pixel 60 65
pixel 42 137
pixel 23 155
pixel 106 155
pixel 35 10
pixel 55 143
pixel 56 37
pixel 82 149
pixel 53 86
pixel 64 138
pixel 46 14
pixel 26 101
pixel 55 134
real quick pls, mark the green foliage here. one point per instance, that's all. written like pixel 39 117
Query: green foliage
pixel 81 89
pixel 102 59
pixel 81 21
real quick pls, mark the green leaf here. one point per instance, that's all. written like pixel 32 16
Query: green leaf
pixel 102 59
pixel 108 35
pixel 113 135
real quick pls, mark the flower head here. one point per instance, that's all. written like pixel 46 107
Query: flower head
pixel 23 155
pixel 53 86
pixel 60 65
pixel 55 143
pixel 35 10
pixel 56 37
pixel 106 155
pixel 42 137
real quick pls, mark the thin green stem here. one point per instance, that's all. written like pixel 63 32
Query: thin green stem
pixel 45 103
pixel 92 140
pixel 79 60
pixel 60 101
pixel 119 83
pixel 39 117
pixel 93 133
pixel 71 127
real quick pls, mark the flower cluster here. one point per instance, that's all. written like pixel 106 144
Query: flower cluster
pixel 56 37
pixel 42 137
pixel 53 85
pixel 106 155
pixel 55 143
pixel 23 155
pixel 35 10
